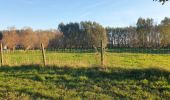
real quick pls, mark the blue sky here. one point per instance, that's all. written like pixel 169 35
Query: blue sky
pixel 46 14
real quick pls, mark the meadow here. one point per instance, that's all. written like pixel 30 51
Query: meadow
pixel 126 58
pixel 78 75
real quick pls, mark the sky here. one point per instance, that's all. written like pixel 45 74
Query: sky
pixel 47 14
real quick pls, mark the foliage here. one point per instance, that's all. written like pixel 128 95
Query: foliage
pixel 165 32
pixel 146 34
pixel 1 35
pixel 162 1
pixel 84 34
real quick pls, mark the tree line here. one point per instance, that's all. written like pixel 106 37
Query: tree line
pixel 146 34
pixel 26 38
pixel 72 35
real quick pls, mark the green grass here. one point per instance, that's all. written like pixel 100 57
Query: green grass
pixel 78 59
pixel 33 82
pixel 77 75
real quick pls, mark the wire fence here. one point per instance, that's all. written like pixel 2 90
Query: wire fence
pixel 81 57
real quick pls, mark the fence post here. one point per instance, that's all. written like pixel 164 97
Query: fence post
pixel 43 54
pixel 2 60
pixel 102 53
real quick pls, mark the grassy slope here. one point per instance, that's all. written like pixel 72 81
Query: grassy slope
pixel 32 82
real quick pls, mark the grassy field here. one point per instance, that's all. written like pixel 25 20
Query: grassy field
pixel 126 75
pixel 78 59
pixel 33 82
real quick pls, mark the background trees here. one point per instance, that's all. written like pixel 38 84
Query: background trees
pixel 93 33
pixel 45 37
pixel 144 31
pixel 165 32
pixel 28 38
pixel 84 34
pixel 146 34
pixel 11 38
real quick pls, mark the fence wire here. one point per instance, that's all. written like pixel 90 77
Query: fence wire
pixel 81 57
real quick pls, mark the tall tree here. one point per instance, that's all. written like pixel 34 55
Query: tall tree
pixel 165 32
pixel 86 34
pixel 142 34
pixel 94 33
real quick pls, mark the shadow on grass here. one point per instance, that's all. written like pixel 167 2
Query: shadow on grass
pixel 93 72
pixel 86 78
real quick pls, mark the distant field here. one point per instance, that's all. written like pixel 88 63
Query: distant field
pixel 76 75
pixel 121 58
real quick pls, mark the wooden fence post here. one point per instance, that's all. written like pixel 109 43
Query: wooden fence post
pixel 2 60
pixel 43 54
pixel 102 53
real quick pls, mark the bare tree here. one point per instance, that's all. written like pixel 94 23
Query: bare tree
pixel 45 37
pixel 11 38
pixel 28 38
